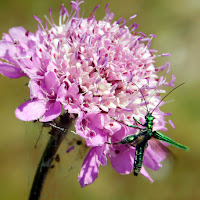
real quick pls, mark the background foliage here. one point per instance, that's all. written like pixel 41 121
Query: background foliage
pixel 177 25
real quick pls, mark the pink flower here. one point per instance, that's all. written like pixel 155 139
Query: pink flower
pixel 92 68
pixel 43 103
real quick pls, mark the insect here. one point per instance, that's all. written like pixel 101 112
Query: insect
pixel 140 141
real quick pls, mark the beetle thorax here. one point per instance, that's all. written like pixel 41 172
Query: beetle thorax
pixel 149 121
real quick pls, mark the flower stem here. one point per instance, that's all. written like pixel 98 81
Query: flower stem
pixel 57 135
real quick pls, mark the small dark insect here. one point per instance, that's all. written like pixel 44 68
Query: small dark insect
pixel 57 158
pixel 52 166
pixel 140 141
pixel 79 142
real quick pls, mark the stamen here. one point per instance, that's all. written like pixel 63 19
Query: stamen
pixel 144 39
pixel 132 25
pixel 114 87
pixel 61 9
pixel 165 54
pixel 37 19
pixel 65 14
pixel 133 16
pixel 142 33
pixel 135 27
pixel 172 124
pixel 95 9
pixel 47 19
pixel 171 83
pixel 153 35
pixel 161 81
pixel 45 25
pixel 119 21
pixel 98 80
pixel 131 77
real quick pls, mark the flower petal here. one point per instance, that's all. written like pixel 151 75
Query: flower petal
pixel 10 71
pixel 122 159
pixel 73 90
pixel 8 52
pixel 18 33
pixel 145 174
pixel 154 154
pixel 90 167
pixel 90 127
pixel 52 113
pixel 52 83
pixel 31 110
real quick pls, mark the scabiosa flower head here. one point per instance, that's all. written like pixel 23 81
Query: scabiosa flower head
pixel 95 69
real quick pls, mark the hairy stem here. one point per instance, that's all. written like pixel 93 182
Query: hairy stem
pixel 57 135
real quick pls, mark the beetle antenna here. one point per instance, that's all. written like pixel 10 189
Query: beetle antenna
pixel 166 96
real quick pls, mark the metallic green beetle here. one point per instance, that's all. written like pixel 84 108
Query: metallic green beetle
pixel 140 141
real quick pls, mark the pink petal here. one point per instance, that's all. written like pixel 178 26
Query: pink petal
pixel 6 37
pixel 36 90
pixel 145 174
pixel 18 33
pixel 122 159
pixel 151 161
pixel 90 127
pixel 52 83
pixel 31 110
pixel 10 71
pixel 32 67
pixel 90 168
pixel 73 89
pixel 62 93
pixel 154 154
pixel 98 138
pixel 72 108
pixel 158 150
pixel 8 52
pixel 52 113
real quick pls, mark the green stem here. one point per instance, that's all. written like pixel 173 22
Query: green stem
pixel 48 156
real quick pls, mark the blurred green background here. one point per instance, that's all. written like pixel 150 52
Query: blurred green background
pixel 177 25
